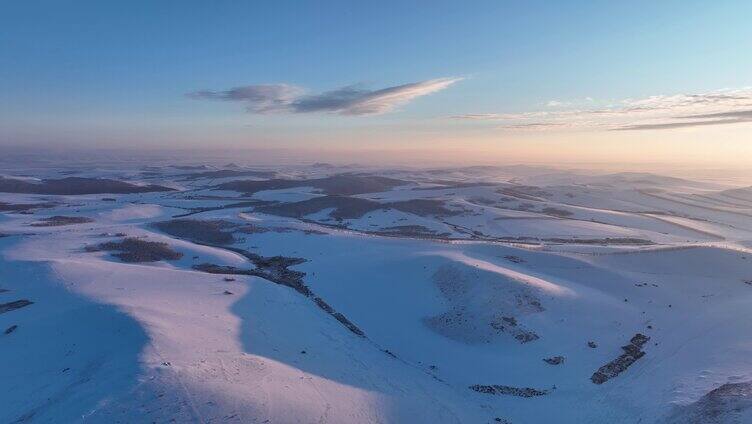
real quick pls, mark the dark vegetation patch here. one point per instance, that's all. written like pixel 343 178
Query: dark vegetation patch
pixel 190 167
pixel 343 184
pixel 257 229
pixel 23 207
pixel 134 250
pixel 556 212
pixel 524 192
pixel 276 269
pixel 12 306
pixel 632 352
pixel 271 268
pixel 75 185
pixel 525 206
pixel 482 201
pixel 509 325
pixel 601 241
pixel 411 231
pixel 236 205
pixel 355 207
pixel 59 220
pixel 528 303
pixel 344 207
pixel 480 309
pixel 496 389
pixel 338 316
pixel 445 185
pixel 607 240
pixel 199 231
pixel 423 207
pixel 226 173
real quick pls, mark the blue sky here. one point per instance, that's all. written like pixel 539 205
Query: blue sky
pixel 118 72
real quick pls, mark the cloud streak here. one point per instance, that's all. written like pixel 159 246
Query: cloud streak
pixel 350 100
pixel 723 107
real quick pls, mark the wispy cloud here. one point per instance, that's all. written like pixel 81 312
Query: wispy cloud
pixel 349 100
pixel 722 107
pixel 257 98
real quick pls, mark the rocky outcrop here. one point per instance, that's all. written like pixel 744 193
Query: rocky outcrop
pixel 554 360
pixel 508 390
pixel 12 306
pixel 632 352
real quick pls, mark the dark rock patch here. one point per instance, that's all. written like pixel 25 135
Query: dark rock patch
pixel 508 390
pixel 12 306
pixel 554 360
pixel 632 352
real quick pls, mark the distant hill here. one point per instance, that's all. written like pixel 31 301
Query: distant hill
pixel 75 185
pixel 343 184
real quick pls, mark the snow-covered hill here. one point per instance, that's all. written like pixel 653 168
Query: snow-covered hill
pixel 318 294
